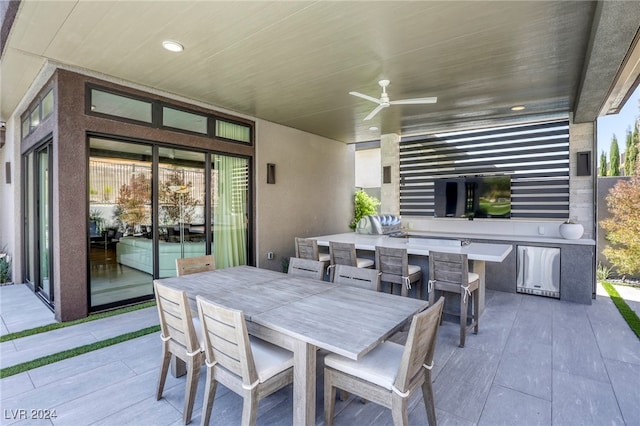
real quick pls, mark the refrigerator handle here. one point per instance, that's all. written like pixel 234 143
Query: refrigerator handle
pixel 524 266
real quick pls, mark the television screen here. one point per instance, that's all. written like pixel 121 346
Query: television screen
pixel 471 197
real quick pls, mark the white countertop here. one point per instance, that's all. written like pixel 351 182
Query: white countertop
pixel 498 237
pixel 474 251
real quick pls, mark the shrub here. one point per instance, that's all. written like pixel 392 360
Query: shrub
pixel 623 227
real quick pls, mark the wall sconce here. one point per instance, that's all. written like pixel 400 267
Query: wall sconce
pixel 271 173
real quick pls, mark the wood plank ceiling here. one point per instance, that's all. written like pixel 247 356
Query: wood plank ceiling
pixel 294 63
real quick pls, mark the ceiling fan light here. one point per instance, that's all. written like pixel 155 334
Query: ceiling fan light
pixel 172 46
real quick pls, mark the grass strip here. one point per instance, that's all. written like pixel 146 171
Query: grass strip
pixel 57 325
pixel 627 313
pixel 50 359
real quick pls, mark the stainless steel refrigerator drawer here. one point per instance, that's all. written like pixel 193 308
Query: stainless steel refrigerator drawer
pixel 539 271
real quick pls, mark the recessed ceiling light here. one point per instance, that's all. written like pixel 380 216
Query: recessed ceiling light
pixel 373 128
pixel 172 46
pixel 517 108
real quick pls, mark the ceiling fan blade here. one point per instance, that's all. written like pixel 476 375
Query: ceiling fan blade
pixel 431 100
pixel 367 97
pixel 374 112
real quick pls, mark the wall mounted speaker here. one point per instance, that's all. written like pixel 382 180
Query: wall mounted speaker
pixel 271 173
pixel 583 162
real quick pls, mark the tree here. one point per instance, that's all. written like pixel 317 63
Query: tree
pixel 614 158
pixel 623 227
pixel 176 205
pixel 631 156
pixel 133 203
pixel 603 164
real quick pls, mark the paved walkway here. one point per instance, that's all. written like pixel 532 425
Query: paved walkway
pixel 535 361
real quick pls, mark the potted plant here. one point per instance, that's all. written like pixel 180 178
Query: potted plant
pixel 571 230
pixel 365 205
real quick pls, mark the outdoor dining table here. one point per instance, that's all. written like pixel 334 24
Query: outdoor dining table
pixel 303 314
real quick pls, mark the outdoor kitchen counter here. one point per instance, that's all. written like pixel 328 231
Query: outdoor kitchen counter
pixel 420 246
pixel 477 253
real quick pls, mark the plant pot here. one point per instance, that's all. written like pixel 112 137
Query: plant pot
pixel 571 231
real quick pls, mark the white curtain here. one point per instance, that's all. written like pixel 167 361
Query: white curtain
pixel 230 218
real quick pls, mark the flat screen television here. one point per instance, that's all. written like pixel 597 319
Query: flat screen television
pixel 473 197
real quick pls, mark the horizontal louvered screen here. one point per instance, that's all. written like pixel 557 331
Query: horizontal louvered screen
pixel 535 156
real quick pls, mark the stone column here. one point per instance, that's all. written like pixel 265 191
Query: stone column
pixel 582 137
pixel 390 157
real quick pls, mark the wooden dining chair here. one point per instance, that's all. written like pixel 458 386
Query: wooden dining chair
pixel 391 373
pixel 191 265
pixel 449 272
pixel 307 248
pixel 366 278
pixel 393 264
pixel 248 366
pixel 345 254
pixel 306 268
pixel 179 334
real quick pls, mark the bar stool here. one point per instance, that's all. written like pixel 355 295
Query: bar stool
pixel 449 272
pixel 345 254
pixel 393 263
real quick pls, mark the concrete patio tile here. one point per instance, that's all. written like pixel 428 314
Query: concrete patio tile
pixel 580 401
pixel 148 411
pixel 575 350
pixel 140 355
pixel 527 368
pixel 625 379
pixel 121 324
pixel 85 410
pixel 15 385
pixel 463 385
pixel 533 325
pixel 492 333
pixel 19 312
pixel 72 387
pixel 523 409
pixel 614 336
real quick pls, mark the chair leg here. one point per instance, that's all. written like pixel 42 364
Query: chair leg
pixel 427 395
pixel 164 370
pixel 209 397
pixel 399 410
pixel 193 373
pixel 419 290
pixel 463 318
pixel 329 398
pixel 405 291
pixel 250 407
pixel 476 311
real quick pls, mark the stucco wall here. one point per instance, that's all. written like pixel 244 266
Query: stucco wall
pixel 313 193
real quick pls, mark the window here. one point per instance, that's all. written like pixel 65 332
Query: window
pixel 233 131
pixel 120 106
pixel 183 120
pixel 47 104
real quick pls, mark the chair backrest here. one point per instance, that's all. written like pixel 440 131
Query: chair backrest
pixel 307 249
pixel 191 265
pixel 420 346
pixel 176 322
pixel 366 278
pixel 226 340
pixel 393 263
pixel 446 269
pixel 343 254
pixel 306 268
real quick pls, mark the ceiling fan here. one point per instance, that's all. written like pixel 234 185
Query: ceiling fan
pixel 384 101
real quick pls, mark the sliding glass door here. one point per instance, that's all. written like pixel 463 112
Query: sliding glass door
pixel 230 217
pixel 37 221
pixel 120 222
pixel 150 205
pixel 181 201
